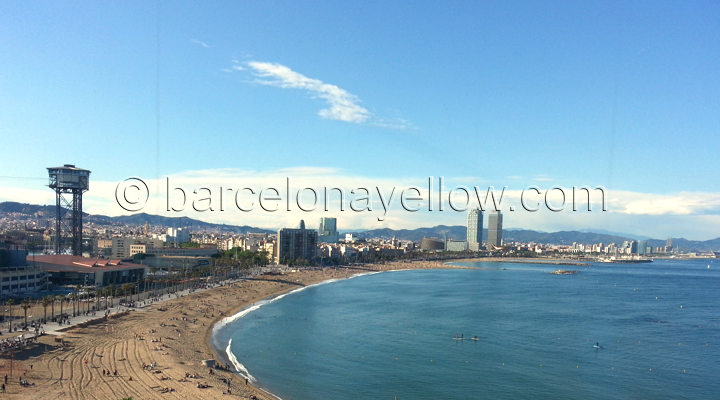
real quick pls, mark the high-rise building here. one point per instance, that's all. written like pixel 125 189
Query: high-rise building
pixel 669 245
pixel 495 229
pixel 295 244
pixel 178 235
pixel 633 247
pixel 327 232
pixel 474 229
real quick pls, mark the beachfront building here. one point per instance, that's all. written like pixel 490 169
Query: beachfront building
pixel 495 229
pixel 17 276
pixel 77 270
pixel 296 244
pixel 327 232
pixel 474 229
pixel 455 245
pixel 432 244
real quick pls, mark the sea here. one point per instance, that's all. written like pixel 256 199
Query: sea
pixel 493 331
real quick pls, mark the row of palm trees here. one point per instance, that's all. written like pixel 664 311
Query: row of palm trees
pixel 88 299
pixel 25 305
pixel 81 300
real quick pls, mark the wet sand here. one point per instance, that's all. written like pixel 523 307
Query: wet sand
pixel 155 348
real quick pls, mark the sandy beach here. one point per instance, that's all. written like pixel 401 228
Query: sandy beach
pixel 156 352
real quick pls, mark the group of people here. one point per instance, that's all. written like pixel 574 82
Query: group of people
pixel 16 342
pixel 23 382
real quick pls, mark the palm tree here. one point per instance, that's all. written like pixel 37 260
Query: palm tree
pixel 98 293
pixel 25 305
pixel 106 294
pixel 72 298
pixel 62 299
pixel 111 290
pixel 45 304
pixel 127 288
pixel 77 297
pixel 52 306
pixel 10 303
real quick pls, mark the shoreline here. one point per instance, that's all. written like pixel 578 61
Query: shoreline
pixel 221 353
pixel 157 351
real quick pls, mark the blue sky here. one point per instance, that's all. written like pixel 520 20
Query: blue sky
pixel 618 94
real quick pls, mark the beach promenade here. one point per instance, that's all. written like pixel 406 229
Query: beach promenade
pixel 156 350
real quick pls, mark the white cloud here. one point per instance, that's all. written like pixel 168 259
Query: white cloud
pixel 200 43
pixel 342 105
pixel 680 203
pixel 690 214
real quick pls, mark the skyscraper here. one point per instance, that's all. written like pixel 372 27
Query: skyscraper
pixel 474 229
pixel 495 229
pixel 327 232
pixel 293 244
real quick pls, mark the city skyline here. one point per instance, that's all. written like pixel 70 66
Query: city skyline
pixel 547 95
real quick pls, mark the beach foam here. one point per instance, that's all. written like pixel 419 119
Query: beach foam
pixel 223 323
pixel 238 366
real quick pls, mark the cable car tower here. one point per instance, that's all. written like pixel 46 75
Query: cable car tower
pixel 69 184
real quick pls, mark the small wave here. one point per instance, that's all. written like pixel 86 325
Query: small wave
pixel 245 311
pixel 225 321
pixel 238 365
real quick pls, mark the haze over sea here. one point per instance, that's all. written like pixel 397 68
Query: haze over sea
pixel 392 334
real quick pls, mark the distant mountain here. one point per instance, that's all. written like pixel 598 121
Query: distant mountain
pixel 452 232
pixel 612 233
pixel 22 208
pixel 178 222
pixel 693 245
pixel 32 210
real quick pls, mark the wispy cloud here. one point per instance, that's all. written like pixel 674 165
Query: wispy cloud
pixel 342 105
pixel 395 123
pixel 199 43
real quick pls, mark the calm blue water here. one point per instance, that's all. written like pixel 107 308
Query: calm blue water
pixel 392 334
